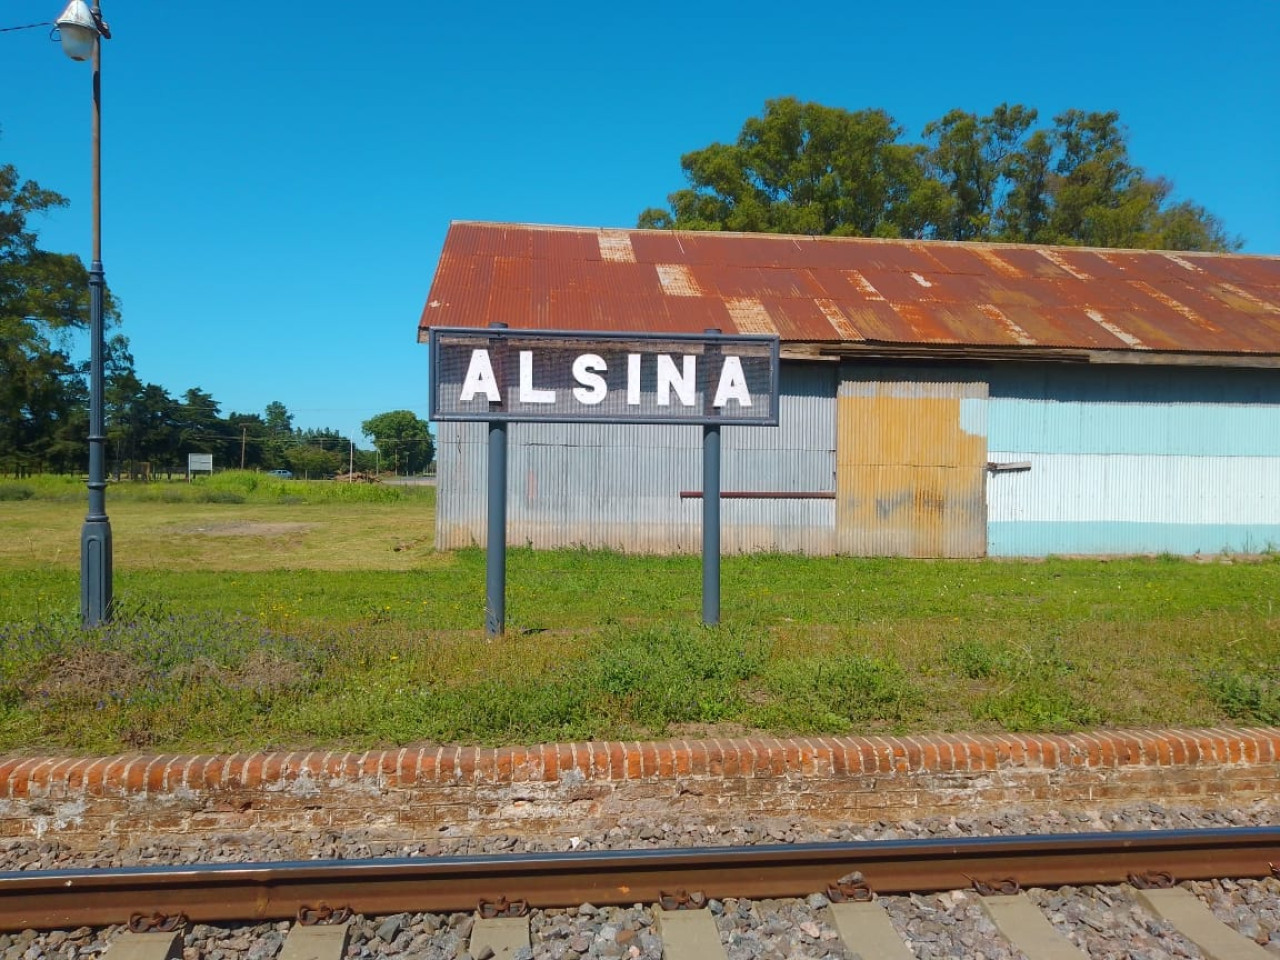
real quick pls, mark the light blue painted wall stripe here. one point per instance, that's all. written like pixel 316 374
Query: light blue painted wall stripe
pixel 1187 429
pixel 1022 539
pixel 1188 411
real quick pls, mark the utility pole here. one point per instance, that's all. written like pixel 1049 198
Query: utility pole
pixel 244 438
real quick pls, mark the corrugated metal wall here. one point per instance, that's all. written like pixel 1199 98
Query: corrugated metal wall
pixel 911 462
pixel 1134 459
pixel 600 485
pixel 1124 459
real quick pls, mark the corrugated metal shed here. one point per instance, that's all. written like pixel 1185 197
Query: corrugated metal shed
pixel 619 486
pixel 850 294
pixel 924 440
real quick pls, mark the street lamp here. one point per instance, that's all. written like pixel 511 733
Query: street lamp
pixel 82 30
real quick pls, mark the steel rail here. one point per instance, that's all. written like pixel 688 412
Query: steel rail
pixel 267 891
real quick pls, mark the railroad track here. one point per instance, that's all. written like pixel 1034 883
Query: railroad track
pixel 841 881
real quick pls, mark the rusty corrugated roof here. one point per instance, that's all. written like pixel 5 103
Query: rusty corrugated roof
pixel 831 291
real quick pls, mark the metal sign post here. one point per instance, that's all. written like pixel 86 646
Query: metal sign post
pixel 711 519
pixel 710 525
pixel 495 556
pixel 496 375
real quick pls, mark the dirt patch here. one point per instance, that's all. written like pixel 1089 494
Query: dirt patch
pixel 246 528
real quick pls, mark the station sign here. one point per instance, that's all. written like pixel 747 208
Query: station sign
pixel 498 374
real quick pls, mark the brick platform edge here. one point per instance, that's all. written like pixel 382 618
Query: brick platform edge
pixel 418 793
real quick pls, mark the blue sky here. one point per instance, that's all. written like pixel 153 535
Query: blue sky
pixel 276 191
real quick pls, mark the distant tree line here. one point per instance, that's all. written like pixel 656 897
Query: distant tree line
pixel 44 421
pixel 806 168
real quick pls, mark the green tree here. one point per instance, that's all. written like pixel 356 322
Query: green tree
pixel 319 452
pixel 248 440
pixel 279 425
pixel 40 393
pixel 142 419
pixel 974 158
pixel 312 460
pixel 807 168
pixel 278 419
pixel 1024 215
pixel 403 440
pixel 152 421
pixel 202 429
pixel 43 295
pixel 1100 196
pixel 122 387
pixel 51 289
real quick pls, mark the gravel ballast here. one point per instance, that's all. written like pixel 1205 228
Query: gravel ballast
pixel 1103 921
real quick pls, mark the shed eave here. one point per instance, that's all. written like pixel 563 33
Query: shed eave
pixel 864 350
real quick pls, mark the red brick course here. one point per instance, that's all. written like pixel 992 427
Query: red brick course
pixel 574 787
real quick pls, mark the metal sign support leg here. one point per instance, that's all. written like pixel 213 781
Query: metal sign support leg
pixel 495 558
pixel 710 525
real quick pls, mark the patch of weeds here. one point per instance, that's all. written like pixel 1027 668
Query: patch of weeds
pixel 11 695
pixel 1245 695
pixel 390 707
pixel 494 711
pixel 1031 709
pixel 220 496
pixel 149 677
pixel 23 645
pixel 832 694
pixel 977 658
pixel 1036 678
pixel 16 491
pixel 664 675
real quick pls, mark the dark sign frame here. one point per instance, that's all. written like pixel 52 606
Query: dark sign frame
pixel 756 347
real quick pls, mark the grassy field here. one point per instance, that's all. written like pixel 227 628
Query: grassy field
pixel 259 613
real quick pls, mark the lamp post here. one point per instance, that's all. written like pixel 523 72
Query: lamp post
pixel 82 31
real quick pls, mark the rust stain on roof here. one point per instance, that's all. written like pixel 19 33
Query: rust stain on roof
pixel 1177 305
pixel 1183 262
pixel 1270 307
pixel 863 285
pixel 827 290
pixel 995 313
pixel 997 263
pixel 1097 317
pixel 839 322
pixel 1060 261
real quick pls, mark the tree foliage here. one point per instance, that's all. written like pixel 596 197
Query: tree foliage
pixel 811 169
pixel 402 439
pixel 42 296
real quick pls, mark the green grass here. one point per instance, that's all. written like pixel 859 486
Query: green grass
pixel 293 621
pixel 230 486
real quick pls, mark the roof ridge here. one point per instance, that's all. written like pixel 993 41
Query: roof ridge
pixel 891 241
